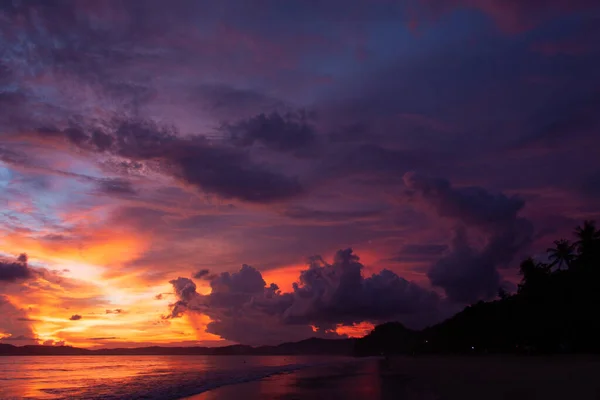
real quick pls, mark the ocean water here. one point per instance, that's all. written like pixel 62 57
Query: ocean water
pixel 137 377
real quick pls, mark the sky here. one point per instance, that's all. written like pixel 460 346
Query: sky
pixel 200 173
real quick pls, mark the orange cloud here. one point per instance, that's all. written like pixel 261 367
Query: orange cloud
pixel 81 278
pixel 103 247
pixel 356 330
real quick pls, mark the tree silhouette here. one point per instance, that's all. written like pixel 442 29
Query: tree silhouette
pixel 587 237
pixel 503 294
pixel 554 310
pixel 534 276
pixel 563 252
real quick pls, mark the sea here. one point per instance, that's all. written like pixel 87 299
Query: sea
pixel 138 377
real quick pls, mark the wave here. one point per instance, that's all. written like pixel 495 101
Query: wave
pixel 171 386
pixel 248 377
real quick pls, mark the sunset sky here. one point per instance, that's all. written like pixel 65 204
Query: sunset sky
pixel 208 173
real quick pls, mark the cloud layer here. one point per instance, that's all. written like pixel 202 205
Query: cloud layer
pixel 468 273
pixel 243 308
pixel 148 142
pixel 11 271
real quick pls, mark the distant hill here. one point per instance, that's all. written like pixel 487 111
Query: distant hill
pixel 388 338
pixel 313 346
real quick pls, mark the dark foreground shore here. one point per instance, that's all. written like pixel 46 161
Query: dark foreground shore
pixel 431 378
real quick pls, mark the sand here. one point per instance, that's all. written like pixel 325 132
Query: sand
pixel 431 378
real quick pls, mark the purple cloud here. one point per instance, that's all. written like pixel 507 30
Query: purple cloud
pixel 288 133
pixel 468 273
pixel 244 309
pixel 11 271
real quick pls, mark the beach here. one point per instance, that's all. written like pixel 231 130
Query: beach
pixel 299 377
pixel 138 377
pixel 357 379
pixel 430 378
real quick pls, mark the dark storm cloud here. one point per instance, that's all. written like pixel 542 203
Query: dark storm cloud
pixel 382 95
pixel 75 317
pixel 74 134
pixel 11 271
pixel 285 133
pixel 230 174
pixel 215 168
pixel 420 252
pixel 307 214
pixel 223 101
pixel 101 141
pixel 470 205
pixel 234 315
pixel 468 273
pixel 185 288
pixel 337 292
pixel 73 38
pixel 325 295
pixel 424 249
pixel 116 186
pixel 232 291
pixel 202 274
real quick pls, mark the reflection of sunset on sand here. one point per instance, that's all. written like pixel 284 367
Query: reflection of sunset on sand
pixel 351 381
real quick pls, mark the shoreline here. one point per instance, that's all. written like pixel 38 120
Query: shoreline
pixel 302 382
pixel 429 378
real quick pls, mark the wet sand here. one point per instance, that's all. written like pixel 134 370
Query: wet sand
pixel 355 380
pixel 431 378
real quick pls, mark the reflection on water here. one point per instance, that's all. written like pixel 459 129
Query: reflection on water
pixel 350 380
pixel 363 379
pixel 116 377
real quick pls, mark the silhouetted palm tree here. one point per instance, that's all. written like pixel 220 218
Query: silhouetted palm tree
pixel 587 236
pixel 563 252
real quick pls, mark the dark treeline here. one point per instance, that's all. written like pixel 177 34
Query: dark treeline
pixel 555 310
